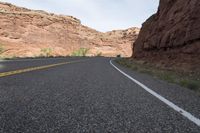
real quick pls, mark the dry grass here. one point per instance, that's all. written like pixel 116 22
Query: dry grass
pixel 182 79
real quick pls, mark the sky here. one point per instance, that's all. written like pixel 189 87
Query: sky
pixel 102 15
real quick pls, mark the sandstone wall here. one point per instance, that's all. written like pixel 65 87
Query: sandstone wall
pixel 172 35
pixel 24 32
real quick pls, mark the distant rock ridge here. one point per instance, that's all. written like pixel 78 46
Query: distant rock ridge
pixel 25 32
pixel 171 36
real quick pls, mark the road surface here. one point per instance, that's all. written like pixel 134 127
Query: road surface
pixel 89 95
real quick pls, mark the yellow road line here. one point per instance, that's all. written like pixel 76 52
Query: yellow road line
pixel 4 74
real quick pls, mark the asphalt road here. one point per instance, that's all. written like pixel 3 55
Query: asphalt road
pixel 89 96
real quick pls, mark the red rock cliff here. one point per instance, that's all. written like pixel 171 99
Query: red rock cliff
pixel 172 35
pixel 26 33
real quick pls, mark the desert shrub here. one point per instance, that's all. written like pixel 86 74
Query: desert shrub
pixel 1 49
pixel 47 52
pixel 193 85
pixel 118 55
pixel 80 52
pixel 165 76
pixel 99 53
pixel 2 10
pixel 169 76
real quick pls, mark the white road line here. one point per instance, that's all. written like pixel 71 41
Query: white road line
pixel 169 103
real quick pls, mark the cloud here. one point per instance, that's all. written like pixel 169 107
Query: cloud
pixel 103 15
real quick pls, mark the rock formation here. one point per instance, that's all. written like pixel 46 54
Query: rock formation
pixel 24 33
pixel 171 36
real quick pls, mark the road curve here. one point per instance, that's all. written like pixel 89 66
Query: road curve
pixel 89 96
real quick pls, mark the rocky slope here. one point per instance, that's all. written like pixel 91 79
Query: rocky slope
pixel 27 33
pixel 171 37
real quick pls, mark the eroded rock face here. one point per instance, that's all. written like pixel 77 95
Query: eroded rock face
pixel 24 32
pixel 172 35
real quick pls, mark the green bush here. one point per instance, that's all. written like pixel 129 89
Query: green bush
pixel 80 52
pixel 193 85
pixel 47 52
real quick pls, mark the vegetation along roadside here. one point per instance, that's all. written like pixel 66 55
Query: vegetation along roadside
pixel 183 79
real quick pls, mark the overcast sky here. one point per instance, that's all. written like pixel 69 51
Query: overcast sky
pixel 102 15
